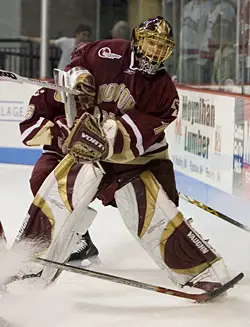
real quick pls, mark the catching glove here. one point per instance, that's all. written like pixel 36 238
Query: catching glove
pixel 87 141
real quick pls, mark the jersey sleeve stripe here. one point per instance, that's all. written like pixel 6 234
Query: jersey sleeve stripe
pixel 157 146
pixel 29 130
pixel 43 135
pixel 137 133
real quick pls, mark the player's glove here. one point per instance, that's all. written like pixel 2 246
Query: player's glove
pixel 82 80
pixel 87 142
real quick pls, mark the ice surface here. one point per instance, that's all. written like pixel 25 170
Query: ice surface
pixel 82 301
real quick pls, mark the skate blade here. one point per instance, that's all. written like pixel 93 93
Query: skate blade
pixel 92 261
pixel 86 263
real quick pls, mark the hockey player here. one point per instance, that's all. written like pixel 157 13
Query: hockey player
pixel 117 152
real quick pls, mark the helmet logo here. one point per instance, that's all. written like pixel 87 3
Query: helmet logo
pixel 107 54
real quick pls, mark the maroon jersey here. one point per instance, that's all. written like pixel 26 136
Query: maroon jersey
pixel 143 106
pixel 38 126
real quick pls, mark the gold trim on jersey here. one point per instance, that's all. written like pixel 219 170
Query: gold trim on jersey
pixel 162 155
pixel 126 153
pixel 61 174
pixel 43 136
pixel 152 190
pixel 160 129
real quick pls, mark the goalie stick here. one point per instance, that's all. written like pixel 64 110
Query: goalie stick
pixel 65 92
pixel 15 78
pixel 214 212
pixel 199 298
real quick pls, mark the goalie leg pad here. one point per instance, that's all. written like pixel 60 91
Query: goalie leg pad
pixel 57 208
pixel 83 224
pixel 162 230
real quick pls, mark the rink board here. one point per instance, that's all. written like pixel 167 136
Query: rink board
pixel 209 144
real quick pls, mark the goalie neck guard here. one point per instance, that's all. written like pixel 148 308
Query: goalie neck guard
pixel 152 42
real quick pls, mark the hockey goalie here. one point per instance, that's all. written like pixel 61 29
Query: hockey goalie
pixel 116 152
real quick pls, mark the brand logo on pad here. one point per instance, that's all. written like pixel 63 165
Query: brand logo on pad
pixel 92 140
pixel 107 54
pixel 23 227
pixel 197 242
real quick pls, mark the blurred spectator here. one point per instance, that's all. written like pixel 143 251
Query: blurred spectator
pixel 66 44
pixel 194 21
pixel 244 41
pixel 172 13
pixel 224 70
pixel 121 30
pixel 223 33
pixel 205 27
pixel 219 41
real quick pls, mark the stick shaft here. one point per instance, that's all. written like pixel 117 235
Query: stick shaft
pixel 214 212
pixel 119 280
pixel 70 112
pixel 12 77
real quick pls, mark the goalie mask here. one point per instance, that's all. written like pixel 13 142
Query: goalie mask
pixel 153 43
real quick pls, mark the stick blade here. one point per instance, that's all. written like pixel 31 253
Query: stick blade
pixel 210 296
